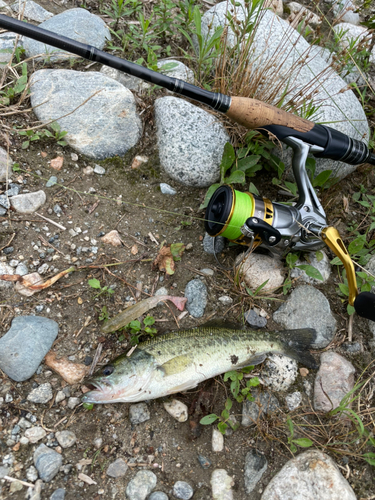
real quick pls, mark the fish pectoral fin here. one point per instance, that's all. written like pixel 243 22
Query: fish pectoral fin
pixel 176 365
pixel 183 387
pixel 254 360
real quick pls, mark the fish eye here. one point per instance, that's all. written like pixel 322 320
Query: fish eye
pixel 107 370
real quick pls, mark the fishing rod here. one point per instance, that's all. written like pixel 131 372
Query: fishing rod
pixel 242 217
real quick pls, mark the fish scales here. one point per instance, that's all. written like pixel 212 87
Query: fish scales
pixel 179 361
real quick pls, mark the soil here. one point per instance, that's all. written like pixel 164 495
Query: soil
pixel 130 201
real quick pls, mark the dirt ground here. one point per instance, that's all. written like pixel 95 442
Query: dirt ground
pixel 131 202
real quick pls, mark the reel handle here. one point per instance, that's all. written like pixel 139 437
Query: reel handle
pixel 364 305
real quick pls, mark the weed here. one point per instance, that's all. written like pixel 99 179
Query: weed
pixel 94 283
pixel 224 418
pixel 15 89
pixel 293 442
pixel 136 329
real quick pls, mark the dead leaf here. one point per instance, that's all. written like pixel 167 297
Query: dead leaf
pixel 345 202
pixel 113 238
pixel 86 479
pixel 71 372
pixel 57 163
pixel 164 260
pixel 134 250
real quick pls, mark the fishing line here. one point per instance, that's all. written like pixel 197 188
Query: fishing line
pixel 135 205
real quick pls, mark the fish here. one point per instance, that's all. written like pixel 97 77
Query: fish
pixel 180 360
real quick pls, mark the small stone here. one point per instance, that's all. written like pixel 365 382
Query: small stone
pixel 24 441
pixel 24 424
pixel 279 372
pixel 66 439
pixel 60 396
pixel 47 462
pixel 99 170
pixel 264 403
pixel 158 495
pixel 255 467
pixel 217 440
pixel 98 442
pixel 112 238
pixel 88 170
pixel 226 300
pixel 141 485
pixel 208 244
pixel 117 468
pixel 221 485
pixel 4 201
pixel 73 402
pixel 293 400
pixel 15 486
pixel 57 163
pixel 334 379
pixel 352 347
pixel 207 272
pixel 4 471
pixel 182 490
pixel 21 269
pixel 28 203
pixel 35 434
pixel 31 474
pixel 51 181
pixel 138 160
pixel 177 410
pixel 41 394
pixel 6 161
pixel 58 494
pixel 196 293
pixel 204 462
pixel 167 189
pixel 139 413
pixel 304 372
pixel 254 319
pixel 74 156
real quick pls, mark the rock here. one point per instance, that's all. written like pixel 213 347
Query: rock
pixel 177 410
pixel 334 379
pixel 167 189
pixel 204 462
pixel 344 12
pixel 117 468
pixel 5 269
pixel 196 293
pixel 25 344
pixel 99 170
pixel 73 402
pixel 4 471
pixel 35 434
pixel 96 135
pixel 31 10
pixel 58 494
pixel 31 474
pixel 208 244
pixel 7 43
pixel 279 45
pixel 299 13
pixel 29 202
pixel 293 400
pixel 255 467
pixel 258 268
pixel 41 394
pixel 60 396
pixel 176 69
pixel 318 315
pixel 21 269
pixel 217 440
pixel 351 347
pixel 158 495
pixel 254 319
pixel 73 373
pixel 207 272
pixel 138 161
pixel 352 36
pixel 47 462
pixel 4 201
pixel 66 439
pixel 221 485
pixel 225 300
pixel 128 81
pixel 276 6
pixel 322 265
pixel 264 403
pixel 182 490
pixel 32 279
pixel 279 372
pixel 112 238
pixel 309 476
pixel 139 413
pixel 51 181
pixel 141 485
pixel 191 142
pixel 77 24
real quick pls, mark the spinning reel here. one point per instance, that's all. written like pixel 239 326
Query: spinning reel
pixel 242 217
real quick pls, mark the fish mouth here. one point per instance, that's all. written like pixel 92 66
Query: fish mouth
pixel 97 394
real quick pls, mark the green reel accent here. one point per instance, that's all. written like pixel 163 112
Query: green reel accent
pixel 227 212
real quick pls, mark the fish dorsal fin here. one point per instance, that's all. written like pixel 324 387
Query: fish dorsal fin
pixel 176 365
pixel 220 323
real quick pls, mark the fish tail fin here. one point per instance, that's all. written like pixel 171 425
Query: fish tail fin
pixel 297 344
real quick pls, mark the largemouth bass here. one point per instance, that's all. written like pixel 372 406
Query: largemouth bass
pixel 179 361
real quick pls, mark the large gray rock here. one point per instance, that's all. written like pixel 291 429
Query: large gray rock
pixel 31 10
pixel 334 380
pixel 141 485
pixel 285 54
pixel 5 269
pixel 322 265
pixel 106 125
pixel 25 344
pixel 256 269
pixel 309 476
pixel 196 293
pixel 6 161
pixel 77 24
pixel 344 11
pixel 7 42
pixel 191 142
pixel 47 461
pixel 28 203
pixel 307 307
